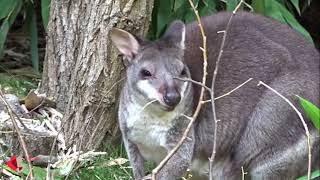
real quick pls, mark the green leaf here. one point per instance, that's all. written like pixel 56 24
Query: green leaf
pixel 296 5
pixel 164 13
pixel 4 29
pixel 277 11
pixel 7 6
pixel 45 12
pixel 10 170
pixel 209 7
pixel 295 25
pixel 189 14
pixel 314 175
pixel 7 22
pixel 15 12
pixel 312 111
pixel 232 4
pixel 258 6
pixel 183 12
pixel 38 173
pixel 31 23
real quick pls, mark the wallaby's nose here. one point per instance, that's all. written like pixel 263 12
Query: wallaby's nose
pixel 172 98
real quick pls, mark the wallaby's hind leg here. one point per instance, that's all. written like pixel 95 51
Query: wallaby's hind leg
pixel 269 149
pixel 290 163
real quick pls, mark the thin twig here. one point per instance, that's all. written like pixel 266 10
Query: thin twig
pixel 302 121
pixel 195 82
pixel 146 105
pixel 16 127
pixel 228 93
pixel 243 173
pixel 198 108
pixel 225 32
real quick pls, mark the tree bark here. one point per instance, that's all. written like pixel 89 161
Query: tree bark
pixel 82 68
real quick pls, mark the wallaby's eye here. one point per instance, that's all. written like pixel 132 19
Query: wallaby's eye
pixel 145 73
pixel 183 72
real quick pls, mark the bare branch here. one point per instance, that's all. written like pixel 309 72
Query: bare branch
pixel 198 108
pixel 16 127
pixel 302 121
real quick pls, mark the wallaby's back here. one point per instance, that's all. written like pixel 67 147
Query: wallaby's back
pixel 257 129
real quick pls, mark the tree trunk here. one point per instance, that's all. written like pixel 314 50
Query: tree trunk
pixel 82 68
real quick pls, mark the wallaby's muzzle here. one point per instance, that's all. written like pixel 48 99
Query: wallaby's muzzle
pixel 171 98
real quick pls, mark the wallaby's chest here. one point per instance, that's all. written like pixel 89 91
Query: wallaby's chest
pixel 148 131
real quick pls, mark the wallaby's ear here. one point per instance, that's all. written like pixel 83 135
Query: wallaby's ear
pixel 176 33
pixel 125 42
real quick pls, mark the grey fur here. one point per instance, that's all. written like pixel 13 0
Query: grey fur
pixel 257 130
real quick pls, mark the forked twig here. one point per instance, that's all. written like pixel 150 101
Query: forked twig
pixel 243 173
pixel 16 127
pixel 198 108
pixel 302 121
pixel 230 92
pixel 195 82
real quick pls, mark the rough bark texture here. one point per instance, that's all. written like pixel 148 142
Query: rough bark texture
pixel 81 65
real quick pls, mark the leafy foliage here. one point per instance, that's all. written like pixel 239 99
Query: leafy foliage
pixel 45 11
pixel 314 175
pixel 19 86
pixel 278 11
pixel 312 111
pixel 8 13
pixel 166 11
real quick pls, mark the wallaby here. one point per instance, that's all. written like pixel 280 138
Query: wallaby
pixel 257 130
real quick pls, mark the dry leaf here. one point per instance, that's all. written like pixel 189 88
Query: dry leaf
pixel 118 161
pixel 33 100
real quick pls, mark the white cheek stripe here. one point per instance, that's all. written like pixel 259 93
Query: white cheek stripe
pixel 183 36
pixel 183 89
pixel 148 89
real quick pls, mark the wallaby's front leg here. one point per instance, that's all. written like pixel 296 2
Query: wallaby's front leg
pixel 181 160
pixel 136 159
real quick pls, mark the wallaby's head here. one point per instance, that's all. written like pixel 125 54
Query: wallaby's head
pixel 155 66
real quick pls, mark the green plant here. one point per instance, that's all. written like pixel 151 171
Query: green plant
pixel 19 86
pixel 10 9
pixel 314 175
pixel 313 113
pixel 166 11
